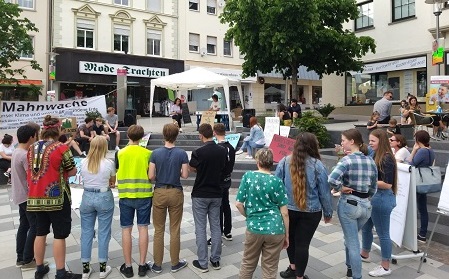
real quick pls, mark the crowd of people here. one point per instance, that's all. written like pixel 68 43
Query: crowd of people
pixel 282 210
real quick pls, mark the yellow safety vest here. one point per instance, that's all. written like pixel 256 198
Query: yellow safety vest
pixel 132 174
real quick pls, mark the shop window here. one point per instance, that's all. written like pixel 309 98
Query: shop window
pixel 211 45
pixel 85 33
pixel 154 5
pixel 365 18
pixel 194 5
pixel 121 38
pixel 421 83
pixel 274 94
pixel 154 39
pixel 227 48
pixel 27 4
pixel 403 9
pixel 316 94
pixel 18 93
pixel 29 55
pixel 194 42
pixel 211 7
pixel 122 2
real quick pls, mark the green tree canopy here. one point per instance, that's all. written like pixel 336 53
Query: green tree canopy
pixel 285 34
pixel 14 41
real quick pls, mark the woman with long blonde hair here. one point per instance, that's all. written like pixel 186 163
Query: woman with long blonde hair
pixel 98 178
pixel 305 179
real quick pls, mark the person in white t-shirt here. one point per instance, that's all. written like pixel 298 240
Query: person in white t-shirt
pixel 398 144
pixel 6 150
pixel 97 203
pixel 215 105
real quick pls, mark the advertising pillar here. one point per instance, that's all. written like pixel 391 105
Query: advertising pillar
pixel 121 93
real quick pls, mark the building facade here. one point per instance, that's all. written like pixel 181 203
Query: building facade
pixel 37 12
pixel 404 32
pixel 92 39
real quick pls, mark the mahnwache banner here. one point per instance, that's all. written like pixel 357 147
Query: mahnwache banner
pixel 17 113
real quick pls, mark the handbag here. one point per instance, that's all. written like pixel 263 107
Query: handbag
pixel 428 179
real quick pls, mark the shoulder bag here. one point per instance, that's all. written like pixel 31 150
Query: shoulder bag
pixel 428 179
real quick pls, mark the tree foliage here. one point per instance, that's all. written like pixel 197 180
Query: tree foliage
pixel 284 34
pixel 14 40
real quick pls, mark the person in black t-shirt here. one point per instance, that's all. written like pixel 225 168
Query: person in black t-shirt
pixel 209 162
pixel 98 128
pixel 294 109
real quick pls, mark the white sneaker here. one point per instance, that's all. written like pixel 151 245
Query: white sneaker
pixel 87 275
pixel 365 260
pixel 238 152
pixel 249 157
pixel 379 271
pixel 180 130
pixel 106 272
pixel 117 148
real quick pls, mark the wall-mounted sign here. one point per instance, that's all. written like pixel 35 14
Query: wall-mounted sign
pixel 394 65
pixel 438 51
pixel 99 68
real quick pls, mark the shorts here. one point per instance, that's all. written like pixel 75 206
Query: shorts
pixel 60 220
pixel 127 208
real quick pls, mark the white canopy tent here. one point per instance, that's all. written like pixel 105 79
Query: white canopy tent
pixel 197 78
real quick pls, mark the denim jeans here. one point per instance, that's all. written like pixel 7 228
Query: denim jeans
pixel 352 218
pixel 421 200
pixel 204 208
pixel 225 209
pixel 249 145
pixel 95 205
pixel 26 234
pixel 383 203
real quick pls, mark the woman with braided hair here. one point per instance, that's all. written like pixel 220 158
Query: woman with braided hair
pixel 305 179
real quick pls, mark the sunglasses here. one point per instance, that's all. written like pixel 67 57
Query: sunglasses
pixel 393 140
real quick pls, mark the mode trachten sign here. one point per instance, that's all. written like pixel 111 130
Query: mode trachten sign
pixel 98 68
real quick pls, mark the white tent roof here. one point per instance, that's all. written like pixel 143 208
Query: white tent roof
pixel 194 79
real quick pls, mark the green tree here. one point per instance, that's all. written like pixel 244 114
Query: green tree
pixel 284 34
pixel 14 41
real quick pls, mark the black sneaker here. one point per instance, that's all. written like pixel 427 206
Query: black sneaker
pixel 349 273
pixel 143 269
pixel 127 271
pixel 198 267
pixel 422 239
pixel 179 266
pixel 227 237
pixel 215 265
pixel 155 268
pixel 40 275
pixel 288 273
pixel 209 242
pixel 70 275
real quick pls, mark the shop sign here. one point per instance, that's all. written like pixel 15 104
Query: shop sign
pixel 395 65
pixel 437 52
pixel 98 68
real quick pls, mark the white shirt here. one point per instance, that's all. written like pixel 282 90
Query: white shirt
pixel 215 105
pixel 401 154
pixel 98 180
pixel 8 150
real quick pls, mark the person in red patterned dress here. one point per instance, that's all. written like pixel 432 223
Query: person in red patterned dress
pixel 50 163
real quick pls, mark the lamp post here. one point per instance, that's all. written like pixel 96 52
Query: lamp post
pixel 437 7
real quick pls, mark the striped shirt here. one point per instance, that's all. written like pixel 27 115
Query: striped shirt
pixel 356 171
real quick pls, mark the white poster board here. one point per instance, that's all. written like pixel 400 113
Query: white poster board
pixel 399 213
pixel 284 131
pixel 409 240
pixel 272 125
pixel 443 204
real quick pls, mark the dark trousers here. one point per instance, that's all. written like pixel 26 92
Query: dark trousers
pixel 421 200
pixel 26 234
pixel 5 164
pixel 178 118
pixel 225 209
pixel 384 121
pixel 84 144
pixel 302 228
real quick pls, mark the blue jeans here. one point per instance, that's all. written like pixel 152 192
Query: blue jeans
pixel 249 145
pixel 383 203
pixel 421 200
pixel 352 218
pixel 26 233
pixel 202 209
pixel 95 205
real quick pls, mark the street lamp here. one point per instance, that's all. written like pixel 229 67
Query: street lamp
pixel 437 7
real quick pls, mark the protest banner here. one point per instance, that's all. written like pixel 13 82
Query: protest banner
pixel 281 147
pixel 17 113
pixel 144 141
pixel 233 139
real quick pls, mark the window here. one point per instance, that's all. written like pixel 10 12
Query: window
pixel 194 42
pixel 211 45
pixel 403 9
pixel 121 38
pixel 154 39
pixel 194 5
pixel 85 33
pixel 122 2
pixel 29 4
pixel 8 1
pixel 227 48
pixel 365 18
pixel 26 55
pixel 211 6
pixel 154 5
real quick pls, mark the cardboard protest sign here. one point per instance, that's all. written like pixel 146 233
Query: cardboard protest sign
pixel 281 147
pixel 208 117
pixel 69 125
